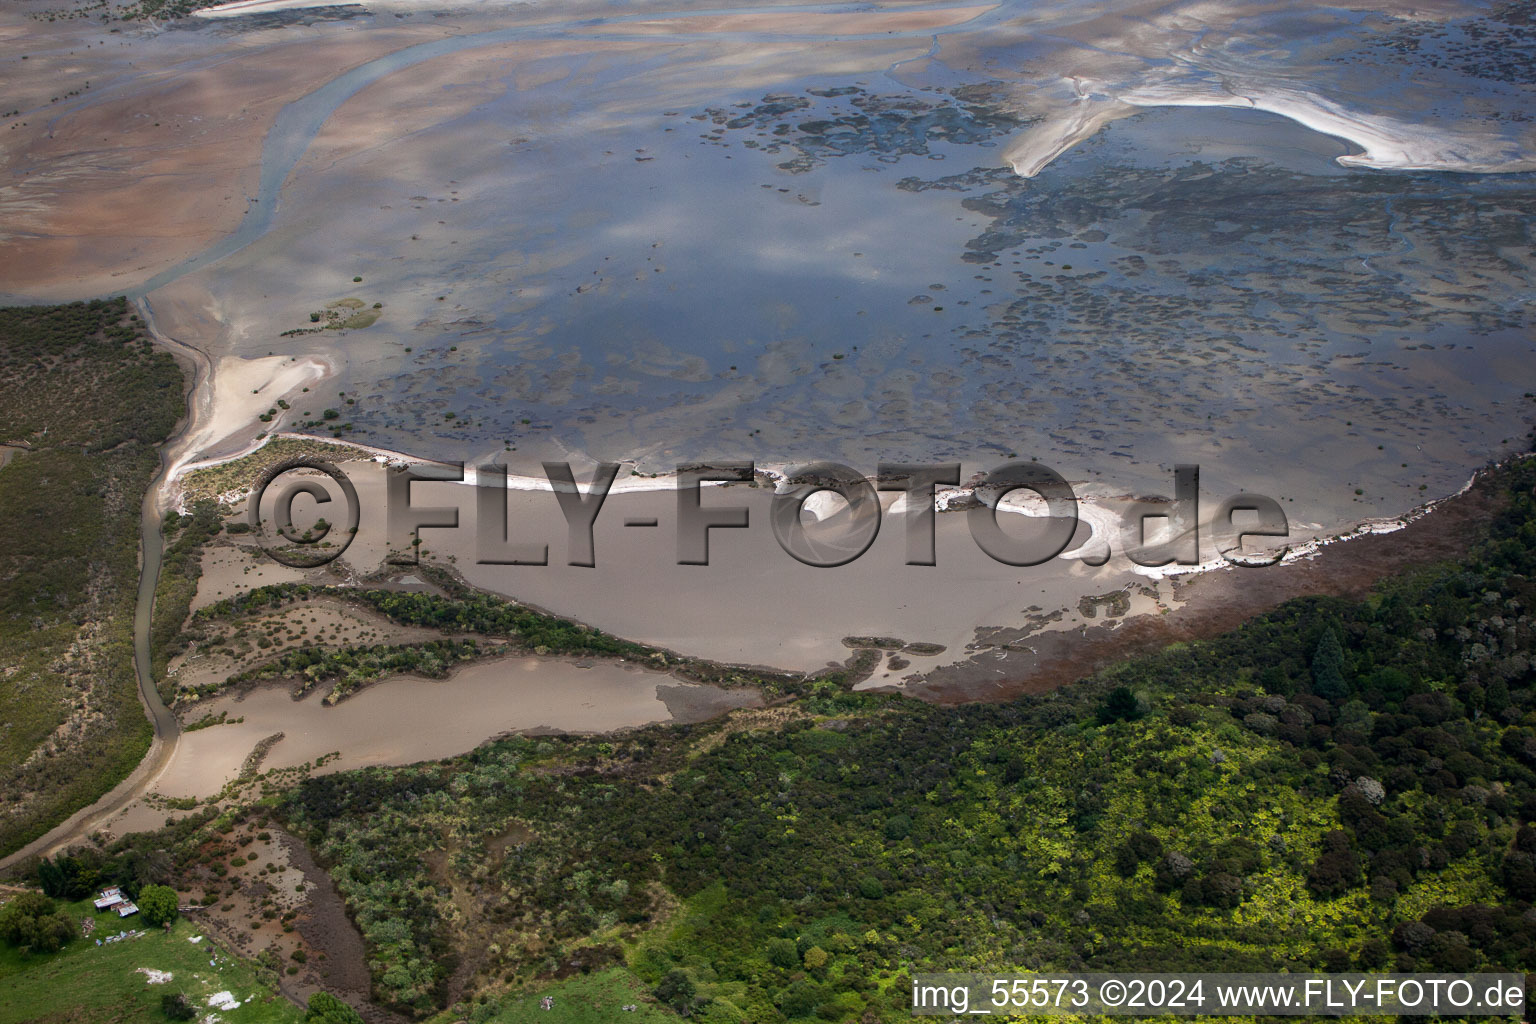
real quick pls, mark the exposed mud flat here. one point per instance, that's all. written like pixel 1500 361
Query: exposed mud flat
pixel 680 231
pixel 753 604
pixel 135 150
pixel 1015 662
pixel 405 719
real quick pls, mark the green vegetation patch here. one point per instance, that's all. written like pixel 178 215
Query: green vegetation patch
pixel 341 315
pixel 181 567
pixel 238 475
pixel 462 610
pixel 596 998
pixel 347 668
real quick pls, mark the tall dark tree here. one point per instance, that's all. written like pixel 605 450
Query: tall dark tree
pixel 1121 704
pixel 678 991
pixel 51 877
pixel 1328 668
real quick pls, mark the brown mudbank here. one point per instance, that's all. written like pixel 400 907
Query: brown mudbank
pixel 882 643
pixel 1213 603
pixel 330 933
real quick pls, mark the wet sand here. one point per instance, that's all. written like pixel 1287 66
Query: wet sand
pixel 753 604
pixel 998 630
pixel 155 160
pixel 555 226
pixel 132 152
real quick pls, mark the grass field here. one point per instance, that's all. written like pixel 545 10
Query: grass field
pixel 103 984
pixel 587 999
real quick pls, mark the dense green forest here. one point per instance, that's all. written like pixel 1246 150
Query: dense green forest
pixel 1336 785
pixel 84 401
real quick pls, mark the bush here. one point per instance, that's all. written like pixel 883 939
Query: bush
pixel 1120 705
pixel 800 999
pixel 782 953
pixel 32 924
pixel 325 1008
pixel 678 991
pixel 1328 668
pixel 158 904
pixel 176 1006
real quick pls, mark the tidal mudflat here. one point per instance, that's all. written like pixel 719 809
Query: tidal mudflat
pixel 407 719
pixel 753 604
pixel 1292 246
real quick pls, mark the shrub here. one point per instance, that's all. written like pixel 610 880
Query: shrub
pixel 782 953
pixel 1328 668
pixel 1120 705
pixel 678 991
pixel 31 923
pixel 176 1006
pixel 325 1008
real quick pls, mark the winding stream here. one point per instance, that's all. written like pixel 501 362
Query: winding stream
pixel 297 124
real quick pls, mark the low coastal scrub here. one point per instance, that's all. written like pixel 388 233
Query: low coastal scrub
pixel 238 475
pixel 181 567
pixel 209 721
pixel 347 668
pixel 85 399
